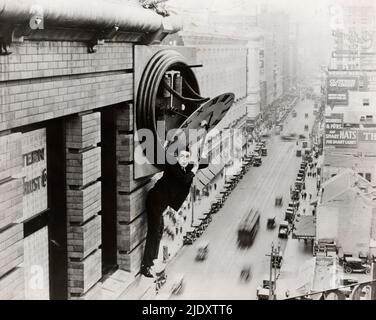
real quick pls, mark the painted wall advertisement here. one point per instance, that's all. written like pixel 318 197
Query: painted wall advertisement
pixel 338 136
pixel 34 172
pixel 367 135
pixel 338 87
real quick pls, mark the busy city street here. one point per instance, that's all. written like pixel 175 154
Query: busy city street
pixel 187 150
pixel 218 277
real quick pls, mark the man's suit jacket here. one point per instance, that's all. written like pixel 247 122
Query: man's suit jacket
pixel 173 188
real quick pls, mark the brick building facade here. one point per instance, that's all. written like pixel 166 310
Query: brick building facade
pixel 71 210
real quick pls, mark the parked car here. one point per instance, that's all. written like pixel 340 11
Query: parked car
pixel 283 231
pixel 352 265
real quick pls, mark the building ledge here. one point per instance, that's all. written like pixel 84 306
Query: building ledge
pixel 80 20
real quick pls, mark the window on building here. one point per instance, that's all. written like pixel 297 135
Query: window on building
pixel 365 102
pixel 368 176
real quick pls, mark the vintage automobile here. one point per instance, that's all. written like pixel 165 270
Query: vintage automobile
pixel 299 184
pixel 306 127
pixel 257 161
pixel 263 292
pixel 300 177
pixel 352 265
pixel 283 231
pixel 278 201
pixel 270 223
pixel 245 273
pixel 264 151
pixel 188 239
pixel 306 115
pixel 298 152
pixel 289 136
pixel 202 251
pixel 295 195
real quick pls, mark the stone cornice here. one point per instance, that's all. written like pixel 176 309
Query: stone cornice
pixel 83 20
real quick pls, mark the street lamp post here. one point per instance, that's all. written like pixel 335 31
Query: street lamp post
pixel 271 274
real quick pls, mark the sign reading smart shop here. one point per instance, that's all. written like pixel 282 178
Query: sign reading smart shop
pixel 338 87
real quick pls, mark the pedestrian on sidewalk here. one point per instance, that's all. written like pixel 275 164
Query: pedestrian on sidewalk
pixel 310 196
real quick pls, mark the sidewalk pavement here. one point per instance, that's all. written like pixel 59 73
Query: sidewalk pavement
pixel 298 264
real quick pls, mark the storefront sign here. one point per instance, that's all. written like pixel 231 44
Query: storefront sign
pixel 336 134
pixel 339 84
pixel 367 135
pixel 338 87
pixel 34 153
pixel 341 138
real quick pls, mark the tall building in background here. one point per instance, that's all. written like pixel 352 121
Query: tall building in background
pixel 275 30
pixel 353 31
pixel 350 127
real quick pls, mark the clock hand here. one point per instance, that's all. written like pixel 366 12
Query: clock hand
pixel 211 116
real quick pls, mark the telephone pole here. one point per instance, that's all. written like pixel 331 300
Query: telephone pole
pixel 274 262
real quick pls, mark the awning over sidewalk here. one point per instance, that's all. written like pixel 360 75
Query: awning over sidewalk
pixel 205 176
pixel 305 228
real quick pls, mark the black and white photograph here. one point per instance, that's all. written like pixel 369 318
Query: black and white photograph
pixel 187 151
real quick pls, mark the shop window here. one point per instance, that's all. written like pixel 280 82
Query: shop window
pixel 368 176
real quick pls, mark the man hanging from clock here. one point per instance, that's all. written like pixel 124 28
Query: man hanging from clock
pixel 170 190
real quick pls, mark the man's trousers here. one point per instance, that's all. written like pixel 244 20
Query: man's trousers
pixel 155 206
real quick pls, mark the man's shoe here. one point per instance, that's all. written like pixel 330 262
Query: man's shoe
pixel 145 271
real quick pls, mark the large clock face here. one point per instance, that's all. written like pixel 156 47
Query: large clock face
pixel 168 93
pixel 168 98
